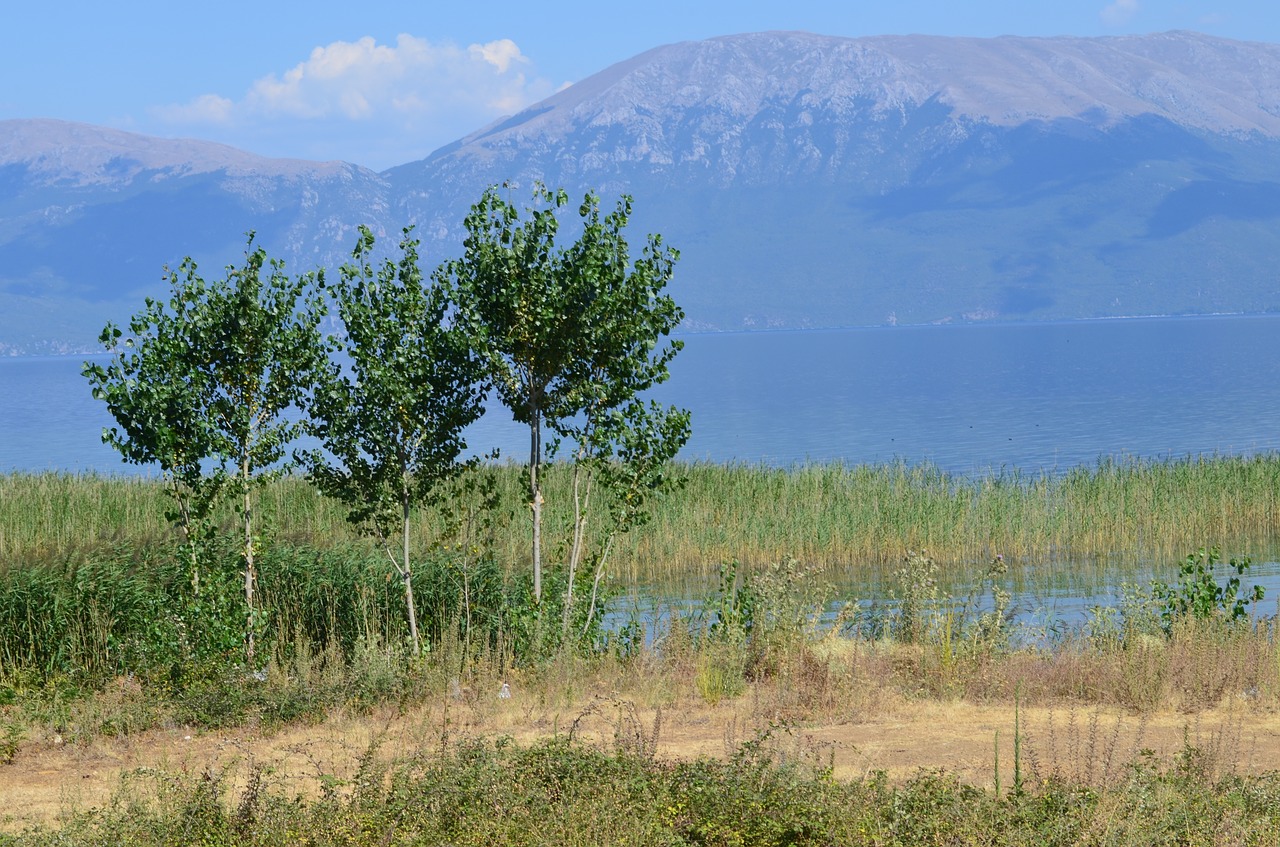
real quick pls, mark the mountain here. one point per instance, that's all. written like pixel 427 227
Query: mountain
pixel 90 216
pixel 817 181
pixel 808 180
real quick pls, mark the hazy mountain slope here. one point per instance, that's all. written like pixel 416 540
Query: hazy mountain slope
pixel 823 181
pixel 808 180
pixel 763 107
pixel 89 216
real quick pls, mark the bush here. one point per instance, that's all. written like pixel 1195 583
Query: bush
pixel 1197 593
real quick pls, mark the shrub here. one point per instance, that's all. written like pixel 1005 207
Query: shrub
pixel 1197 593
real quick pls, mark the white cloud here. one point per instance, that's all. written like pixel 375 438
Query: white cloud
pixel 207 108
pixel 433 92
pixel 500 53
pixel 1120 12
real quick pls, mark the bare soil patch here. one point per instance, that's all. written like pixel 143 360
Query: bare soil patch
pixel 48 778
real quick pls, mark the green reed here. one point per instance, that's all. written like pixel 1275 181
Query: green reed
pixel 831 514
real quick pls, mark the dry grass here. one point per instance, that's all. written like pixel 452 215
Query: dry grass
pixel 844 705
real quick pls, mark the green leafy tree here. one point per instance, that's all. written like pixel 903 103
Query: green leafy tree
pixel 257 348
pixel 626 453
pixel 392 416
pixel 572 337
pixel 203 388
pixel 159 400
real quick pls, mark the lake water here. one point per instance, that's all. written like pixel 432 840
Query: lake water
pixel 969 399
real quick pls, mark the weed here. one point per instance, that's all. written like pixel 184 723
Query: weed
pixel 916 590
pixel 1197 593
pixel 11 737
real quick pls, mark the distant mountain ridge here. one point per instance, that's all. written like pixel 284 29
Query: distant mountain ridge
pixel 61 151
pixel 700 102
pixel 89 216
pixel 809 180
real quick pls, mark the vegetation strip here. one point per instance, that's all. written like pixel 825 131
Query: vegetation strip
pixel 830 514
pixel 559 792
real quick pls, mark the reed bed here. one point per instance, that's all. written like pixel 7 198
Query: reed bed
pixel 829 514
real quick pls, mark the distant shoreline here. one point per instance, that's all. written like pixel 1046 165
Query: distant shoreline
pixel 687 333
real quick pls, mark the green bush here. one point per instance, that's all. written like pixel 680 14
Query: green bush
pixel 1197 593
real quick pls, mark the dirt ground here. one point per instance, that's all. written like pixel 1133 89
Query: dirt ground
pixel 49 778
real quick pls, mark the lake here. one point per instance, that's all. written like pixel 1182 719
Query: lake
pixel 972 399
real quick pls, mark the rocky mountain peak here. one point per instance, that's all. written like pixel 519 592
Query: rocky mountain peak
pixel 1191 80
pixel 808 180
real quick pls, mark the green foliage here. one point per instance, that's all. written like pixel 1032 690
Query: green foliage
pixel 725 622
pixel 571 336
pixel 1198 595
pixel 201 389
pixel 528 625
pixel 11 737
pixel 721 671
pixel 160 397
pixel 753 626
pixel 789 599
pixel 916 590
pixel 1134 617
pixel 557 792
pixel 729 613
pixel 391 418
pixel 990 629
pixel 258 344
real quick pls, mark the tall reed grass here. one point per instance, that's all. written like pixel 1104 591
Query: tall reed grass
pixel 830 514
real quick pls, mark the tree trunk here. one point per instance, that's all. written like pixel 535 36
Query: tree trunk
pixel 188 533
pixel 250 575
pixel 595 584
pixel 581 503
pixel 535 495
pixel 407 575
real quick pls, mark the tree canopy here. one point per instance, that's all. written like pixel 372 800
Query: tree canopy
pixel 391 408
pixel 572 335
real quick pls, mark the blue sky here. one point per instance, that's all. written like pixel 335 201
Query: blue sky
pixel 383 83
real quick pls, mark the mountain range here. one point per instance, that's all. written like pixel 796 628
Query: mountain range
pixel 808 181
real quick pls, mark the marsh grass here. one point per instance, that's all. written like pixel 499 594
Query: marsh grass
pixel 828 514
pixel 91 593
pixel 599 780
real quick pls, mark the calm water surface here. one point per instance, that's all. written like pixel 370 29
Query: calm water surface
pixel 972 400
pixel 969 399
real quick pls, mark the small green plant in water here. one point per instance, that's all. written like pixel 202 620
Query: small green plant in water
pixel 729 618
pixel 730 611
pixel 917 594
pixel 1197 593
pixel 990 630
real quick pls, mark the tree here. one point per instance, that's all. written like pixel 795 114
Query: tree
pixel 159 399
pixel 628 452
pixel 258 347
pixel 572 338
pixel 206 391
pixel 393 416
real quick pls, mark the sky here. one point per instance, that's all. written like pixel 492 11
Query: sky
pixel 384 82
